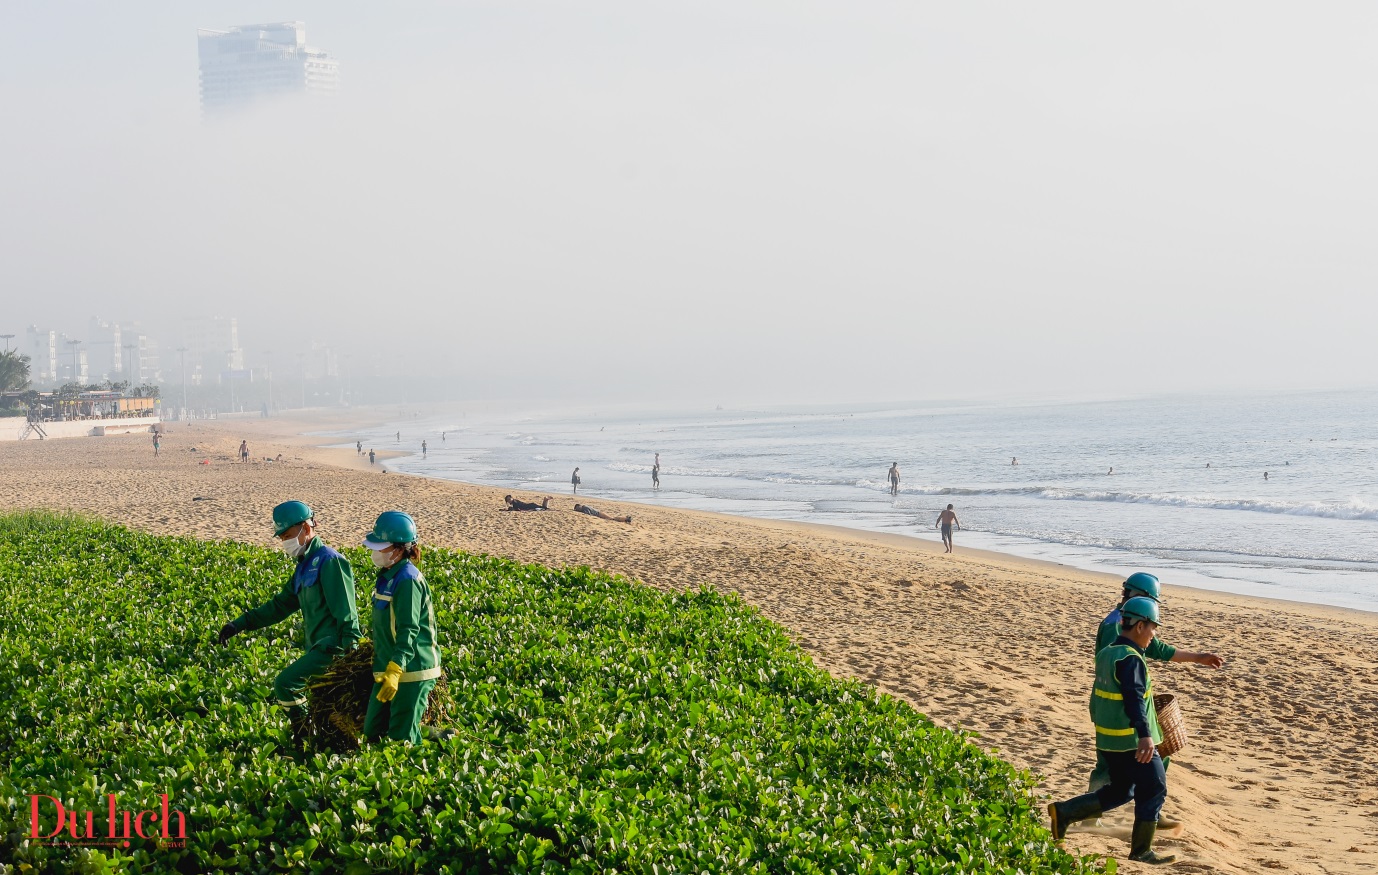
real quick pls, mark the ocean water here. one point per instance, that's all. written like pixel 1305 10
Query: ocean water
pixel 1187 498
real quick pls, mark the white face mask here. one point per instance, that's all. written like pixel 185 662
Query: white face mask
pixel 381 558
pixel 293 547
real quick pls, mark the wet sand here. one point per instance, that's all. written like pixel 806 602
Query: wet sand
pixel 1281 772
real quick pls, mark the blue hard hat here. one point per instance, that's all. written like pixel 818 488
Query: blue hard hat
pixel 288 514
pixel 1139 608
pixel 392 527
pixel 1143 583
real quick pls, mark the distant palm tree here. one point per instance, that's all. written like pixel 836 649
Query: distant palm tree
pixel 14 371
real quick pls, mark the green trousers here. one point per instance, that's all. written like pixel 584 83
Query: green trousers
pixel 400 719
pixel 1100 775
pixel 289 688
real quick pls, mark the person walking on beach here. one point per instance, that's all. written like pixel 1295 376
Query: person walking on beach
pixel 423 449
pixel 946 520
pixel 894 477
pixel 655 473
pixel 322 589
pixel 244 451
pixel 359 447
pixel 574 481
pixel 1127 735
pixel 156 444
pixel 399 437
pixel 1141 584
pixel 406 649
pixel 371 455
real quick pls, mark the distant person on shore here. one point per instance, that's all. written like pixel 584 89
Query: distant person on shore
pixel 359 447
pixel 423 449
pixel 1014 460
pixel 1127 736
pixel 1111 471
pixel 371 455
pixel 584 508
pixel 156 444
pixel 518 504
pixel 1265 475
pixel 244 451
pixel 1141 584
pixel 399 437
pixel 946 520
pixel 894 477
pixel 655 473
pixel 442 437
pixel 574 481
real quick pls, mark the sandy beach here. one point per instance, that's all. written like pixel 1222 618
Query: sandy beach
pixel 1281 771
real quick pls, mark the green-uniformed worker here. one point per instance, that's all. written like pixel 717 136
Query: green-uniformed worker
pixel 406 649
pixel 1127 736
pixel 1141 584
pixel 322 588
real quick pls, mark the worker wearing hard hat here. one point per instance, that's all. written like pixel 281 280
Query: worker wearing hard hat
pixel 406 652
pixel 322 588
pixel 1141 584
pixel 1127 735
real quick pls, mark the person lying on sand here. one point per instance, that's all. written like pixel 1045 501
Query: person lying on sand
pixel 518 504
pixel 584 508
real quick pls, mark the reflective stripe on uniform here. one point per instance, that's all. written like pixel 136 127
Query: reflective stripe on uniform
pixel 1107 695
pixel 426 674
pixel 301 701
pixel 1105 730
pixel 378 596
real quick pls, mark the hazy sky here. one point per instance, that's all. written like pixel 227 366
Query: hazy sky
pixel 743 201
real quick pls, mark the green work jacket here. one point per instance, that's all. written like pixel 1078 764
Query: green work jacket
pixel 322 588
pixel 404 624
pixel 1113 730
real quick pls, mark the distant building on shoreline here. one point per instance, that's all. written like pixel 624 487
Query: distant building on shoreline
pixel 253 62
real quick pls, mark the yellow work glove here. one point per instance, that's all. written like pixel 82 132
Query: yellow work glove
pixel 390 679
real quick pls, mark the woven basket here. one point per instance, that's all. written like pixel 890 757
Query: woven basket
pixel 1173 725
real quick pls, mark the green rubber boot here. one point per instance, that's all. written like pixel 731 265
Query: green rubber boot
pixel 1141 845
pixel 1064 814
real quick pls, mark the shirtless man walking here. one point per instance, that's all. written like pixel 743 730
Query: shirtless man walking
pixel 894 476
pixel 946 520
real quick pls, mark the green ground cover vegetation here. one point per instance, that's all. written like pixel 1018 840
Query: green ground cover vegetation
pixel 603 726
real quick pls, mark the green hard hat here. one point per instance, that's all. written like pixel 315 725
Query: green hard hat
pixel 1140 608
pixel 288 514
pixel 1144 583
pixel 392 527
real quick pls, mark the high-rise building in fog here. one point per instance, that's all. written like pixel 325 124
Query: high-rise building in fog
pixel 251 62
pixel 41 347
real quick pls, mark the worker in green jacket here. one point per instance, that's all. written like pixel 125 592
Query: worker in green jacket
pixel 406 650
pixel 1127 736
pixel 322 588
pixel 1145 585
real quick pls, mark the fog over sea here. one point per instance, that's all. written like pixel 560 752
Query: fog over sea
pixel 1187 499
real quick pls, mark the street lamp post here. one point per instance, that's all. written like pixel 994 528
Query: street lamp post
pixel 7 341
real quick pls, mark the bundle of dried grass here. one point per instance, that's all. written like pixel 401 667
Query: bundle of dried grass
pixel 339 700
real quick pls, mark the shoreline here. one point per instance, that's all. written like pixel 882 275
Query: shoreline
pixel 1010 561
pixel 1279 770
